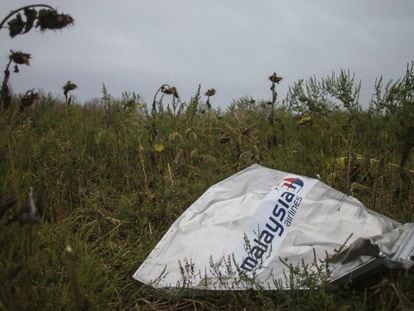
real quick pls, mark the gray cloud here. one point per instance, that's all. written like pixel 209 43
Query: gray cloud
pixel 231 45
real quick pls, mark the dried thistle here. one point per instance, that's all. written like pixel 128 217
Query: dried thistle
pixel 52 20
pixel 20 58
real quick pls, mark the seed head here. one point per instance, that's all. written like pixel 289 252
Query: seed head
pixel 210 92
pixel 52 20
pixel 275 78
pixel 69 86
pixel 20 58
pixel 305 119
pixel 174 92
pixel 16 26
pixel 31 15
pixel 170 91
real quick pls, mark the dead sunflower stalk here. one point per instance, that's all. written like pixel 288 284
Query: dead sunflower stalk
pixel 209 93
pixel 172 90
pixel 18 58
pixel 69 86
pixel 275 80
pixel 5 96
pixel 165 89
pixel 47 19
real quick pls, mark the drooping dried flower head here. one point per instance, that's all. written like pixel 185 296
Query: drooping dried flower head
pixel 275 78
pixel 166 90
pixel 69 86
pixel 16 26
pixel 170 91
pixel 50 19
pixel 210 92
pixel 174 92
pixel 20 58
pixel 31 15
pixel 28 99
pixel 46 19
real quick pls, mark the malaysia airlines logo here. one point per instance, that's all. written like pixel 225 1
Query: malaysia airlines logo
pixel 274 217
pixel 291 184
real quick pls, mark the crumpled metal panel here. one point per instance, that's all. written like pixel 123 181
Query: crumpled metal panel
pixel 266 229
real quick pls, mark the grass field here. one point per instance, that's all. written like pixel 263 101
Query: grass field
pixel 111 177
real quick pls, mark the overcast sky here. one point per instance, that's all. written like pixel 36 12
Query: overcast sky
pixel 232 46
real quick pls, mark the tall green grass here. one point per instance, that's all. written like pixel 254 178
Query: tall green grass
pixel 111 178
